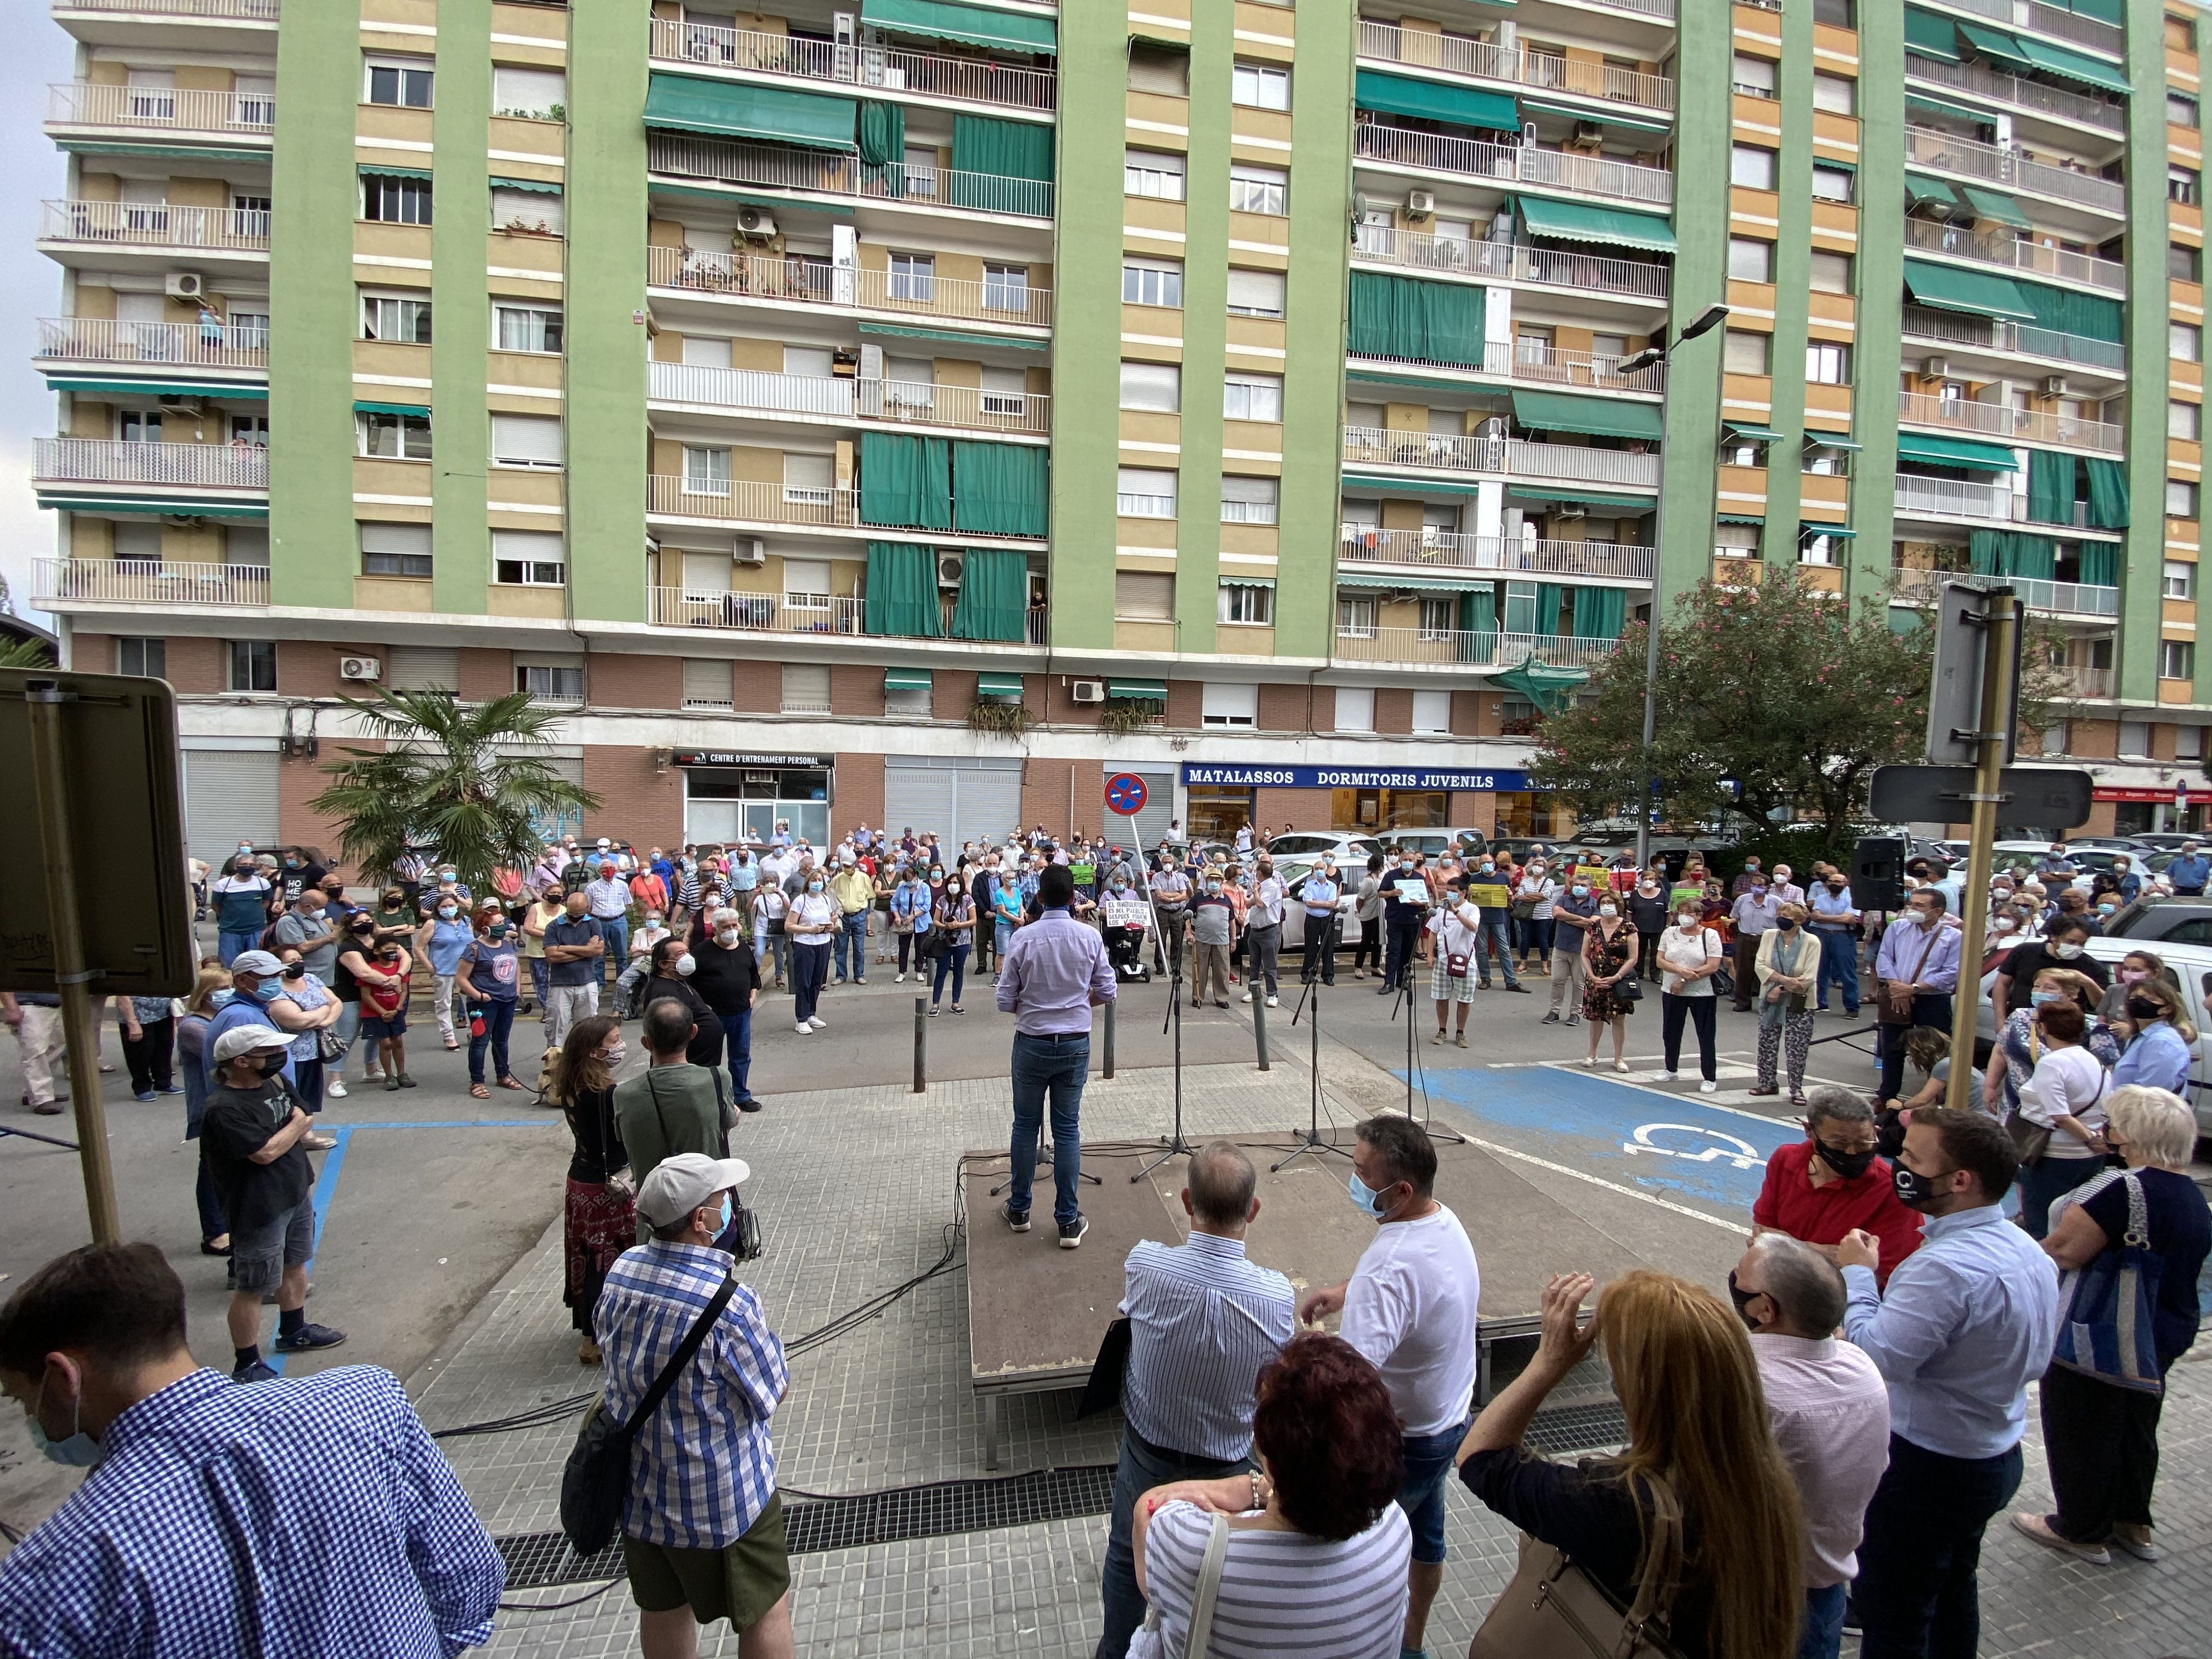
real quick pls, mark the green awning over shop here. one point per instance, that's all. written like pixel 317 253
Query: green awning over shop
pixel 1139 690
pixel 1577 221
pixel 1978 294
pixel 2072 65
pixel 1944 108
pixel 1433 101
pixel 906 680
pixel 535 186
pixel 1409 486
pixel 1568 493
pixel 946 337
pixel 1757 434
pixel 85 387
pixel 998 685
pixel 1930 36
pixel 1994 206
pixel 1925 191
pixel 1600 417
pixel 972 25
pixel 1609 117
pixel 420 411
pixel 679 103
pixel 1933 451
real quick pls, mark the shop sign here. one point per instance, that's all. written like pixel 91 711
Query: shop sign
pixel 2154 797
pixel 727 757
pixel 1204 773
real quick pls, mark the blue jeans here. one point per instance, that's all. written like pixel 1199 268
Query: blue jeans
pixel 1820 1635
pixel 1142 1467
pixel 617 932
pixel 953 960
pixel 229 942
pixel 2044 1181
pixel 1421 1494
pixel 1839 965
pixel 1043 1065
pixel 738 1032
pixel 205 1193
pixel 1532 936
pixel 852 937
pixel 539 968
pixel 498 1021
pixel 1491 943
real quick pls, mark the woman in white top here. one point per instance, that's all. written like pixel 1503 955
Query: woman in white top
pixel 1689 956
pixel 1451 976
pixel 2066 1096
pixel 1317 1548
pixel 814 916
pixel 1532 917
pixel 768 907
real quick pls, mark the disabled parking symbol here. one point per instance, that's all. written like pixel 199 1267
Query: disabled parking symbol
pixel 1698 1145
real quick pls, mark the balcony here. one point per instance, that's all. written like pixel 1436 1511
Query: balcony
pixel 1457 55
pixel 773 613
pixel 1367 446
pixel 2001 334
pixel 1661 10
pixel 1536 364
pixel 2060 598
pixel 147 581
pixel 153 345
pixel 1925 147
pixel 1456 648
pixel 966 80
pixel 101 460
pixel 1510 164
pixel 2013 253
pixel 2084 682
pixel 1957 498
pixel 828 398
pixel 2049 20
pixel 816 282
pixel 249 11
pixel 1994 420
pixel 841 173
pixel 155 225
pixel 180 110
pixel 750 502
pixel 1416 551
pixel 2032 97
pixel 1516 262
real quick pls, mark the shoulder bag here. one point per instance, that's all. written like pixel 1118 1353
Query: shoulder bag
pixel 1201 1634
pixel 2030 1139
pixel 1554 1610
pixel 2105 1331
pixel 1897 996
pixel 595 1482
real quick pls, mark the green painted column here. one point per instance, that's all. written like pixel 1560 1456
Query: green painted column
pixel 1313 374
pixel 1204 324
pixel 1705 56
pixel 1086 358
pixel 460 538
pixel 1879 356
pixel 604 392
pixel 2204 689
pixel 313 549
pixel 2143 559
pixel 1793 264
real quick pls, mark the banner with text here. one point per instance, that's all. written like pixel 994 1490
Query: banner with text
pixel 1201 774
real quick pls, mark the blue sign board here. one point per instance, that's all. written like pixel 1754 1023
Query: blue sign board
pixel 1348 777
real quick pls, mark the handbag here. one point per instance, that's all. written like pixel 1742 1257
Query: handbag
pixel 2030 1139
pixel 1627 988
pixel 2105 1332
pixel 595 1481
pixel 1554 1610
pixel 1199 1636
pixel 328 1045
pixel 1101 1390
pixel 1897 998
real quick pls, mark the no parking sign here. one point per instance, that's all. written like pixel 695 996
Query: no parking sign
pixel 1126 794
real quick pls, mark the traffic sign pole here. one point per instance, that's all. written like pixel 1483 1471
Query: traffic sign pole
pixel 1993 734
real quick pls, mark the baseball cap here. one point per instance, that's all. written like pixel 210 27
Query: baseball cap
pixel 604 842
pixel 246 1040
pixel 255 961
pixel 680 1184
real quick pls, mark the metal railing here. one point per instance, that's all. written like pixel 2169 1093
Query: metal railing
pixel 205 345
pixel 105 460
pixel 2067 598
pixel 1414 550
pixel 257 11
pixel 2014 253
pixel 1955 498
pixel 1588 175
pixel 167 109
pixel 906 402
pixel 2002 334
pixel 891 69
pixel 1457 55
pixel 2084 682
pixel 1926 147
pixel 746 501
pixel 773 276
pixel 2049 20
pixel 1918 409
pixel 1662 8
pixel 1540 364
pixel 1467 649
pixel 2105 114
pixel 149 582
pixel 775 613
pixel 156 224
pixel 1367 446
pixel 841 173
pixel 1519 262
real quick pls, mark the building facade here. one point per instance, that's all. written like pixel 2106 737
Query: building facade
pixel 821 403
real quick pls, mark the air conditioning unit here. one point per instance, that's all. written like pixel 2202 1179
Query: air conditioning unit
pixel 360 668
pixel 1568 511
pixel 948 569
pixel 1087 691
pixel 757 223
pixel 185 285
pixel 1420 203
pixel 751 551
pixel 1934 368
pixel 2054 386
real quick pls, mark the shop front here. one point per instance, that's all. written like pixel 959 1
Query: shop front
pixel 1360 798
pixel 2141 811
pixel 730 796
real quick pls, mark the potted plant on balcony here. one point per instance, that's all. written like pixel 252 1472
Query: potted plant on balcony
pixel 1002 717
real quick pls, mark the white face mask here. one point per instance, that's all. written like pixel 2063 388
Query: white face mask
pixel 685 964
pixel 2066 952
pixel 726 938
pixel 1608 911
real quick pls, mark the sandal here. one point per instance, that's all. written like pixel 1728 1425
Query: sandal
pixel 452 1047
pixel 958 1009
pixel 512 1083
pixel 477 1092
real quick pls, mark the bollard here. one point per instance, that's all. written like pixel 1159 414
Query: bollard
pixel 1107 1073
pixel 1260 1026
pixel 920 1046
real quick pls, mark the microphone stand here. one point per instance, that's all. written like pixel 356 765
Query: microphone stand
pixel 1172 1146
pixel 1309 1138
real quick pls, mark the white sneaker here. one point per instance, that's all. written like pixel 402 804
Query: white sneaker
pixel 1274 1002
pixel 803 1029
pixel 816 1021
pixel 1246 997
pixel 1667 1077
pixel 1620 1066
pixel 336 1088
pixel 1709 1088
pixel 898 978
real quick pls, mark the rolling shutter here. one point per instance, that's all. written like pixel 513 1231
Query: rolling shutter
pixel 230 796
pixel 918 797
pixel 422 668
pixel 990 802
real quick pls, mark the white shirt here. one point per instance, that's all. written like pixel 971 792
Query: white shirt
pixel 1268 910
pixel 1410 1307
pixel 1830 1410
pixel 818 910
pixel 1684 953
pixel 1281 1592
pixel 2066 1081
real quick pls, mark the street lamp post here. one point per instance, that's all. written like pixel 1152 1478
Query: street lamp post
pixel 1704 321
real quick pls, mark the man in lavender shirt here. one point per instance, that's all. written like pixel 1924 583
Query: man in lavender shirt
pixel 1054 974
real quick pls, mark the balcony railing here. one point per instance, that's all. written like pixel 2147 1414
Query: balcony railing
pixel 102 460
pixel 154 224
pixel 841 173
pixel 2101 113
pixel 1368 446
pixel 1519 262
pixel 1918 409
pixel 1460 648
pixel 160 109
pixel 816 282
pixel 1513 164
pixel 2049 20
pixel 2013 253
pixel 775 613
pixel 745 500
pixel 2082 682
pixel 1954 498
pixel 1457 55
pixel 257 11
pixel 148 582
pixel 1543 364
pixel 719 46
pixel 2001 334
pixel 906 402
pixel 1659 8
pixel 1925 147
pixel 1416 550
pixel 194 345
pixel 2065 598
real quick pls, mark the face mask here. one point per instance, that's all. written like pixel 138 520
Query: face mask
pixel 265 992
pixel 221 998
pixel 653 921
pixel 2007 924
pixel 446 911
pixel 269 1064
pixel 727 939
pixel 2133 975
pixel 1836 886
pixel 1369 1201
pixel 1581 890
pixel 1787 924
pixel 614 1056
pixel 2142 1008
pixel 497 931
pixel 1742 1299
pixel 295 970
pixel 685 963
pixel 311 912
pixel 76 1450
pixel 936 875
pixel 1608 909
pixel 727 1216
pixel 2066 952
pixel 2107 909
pixel 1915 1191
pixel 813 886
pixel 1850 1165
pixel 1688 923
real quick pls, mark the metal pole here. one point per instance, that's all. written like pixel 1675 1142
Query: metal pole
pixel 920 1046
pixel 1997 716
pixel 1107 1036
pixel 1645 807
pixel 79 1025
pixel 1260 1024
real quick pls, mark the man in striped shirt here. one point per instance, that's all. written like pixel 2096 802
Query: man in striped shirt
pixel 1203 1321
pixel 702 1531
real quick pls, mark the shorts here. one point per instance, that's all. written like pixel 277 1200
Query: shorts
pixel 376 1027
pixel 1442 988
pixel 739 1582
pixel 259 1258
pixel 1428 1464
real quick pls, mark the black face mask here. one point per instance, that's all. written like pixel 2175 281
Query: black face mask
pixel 2142 1008
pixel 295 970
pixel 1915 1191
pixel 1742 1299
pixel 1850 1165
pixel 269 1064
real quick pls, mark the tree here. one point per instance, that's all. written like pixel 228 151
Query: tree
pixel 447 778
pixel 31 653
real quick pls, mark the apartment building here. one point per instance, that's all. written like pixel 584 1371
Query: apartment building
pixel 820 403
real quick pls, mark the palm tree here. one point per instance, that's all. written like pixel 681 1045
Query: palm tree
pixel 26 653
pixel 447 778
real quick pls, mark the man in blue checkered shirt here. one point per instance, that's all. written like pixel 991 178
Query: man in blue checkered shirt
pixel 702 1532
pixel 312 1516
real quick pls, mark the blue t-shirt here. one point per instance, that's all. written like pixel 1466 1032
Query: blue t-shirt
pixel 494 969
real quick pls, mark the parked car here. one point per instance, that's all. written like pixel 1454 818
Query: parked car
pixel 2159 920
pixel 2111 844
pixel 2190 961
pixel 1292 873
pixel 1309 845
pixel 1436 842
pixel 2168 840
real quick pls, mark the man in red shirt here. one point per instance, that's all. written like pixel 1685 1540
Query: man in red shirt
pixel 1831 1181
pixel 650 891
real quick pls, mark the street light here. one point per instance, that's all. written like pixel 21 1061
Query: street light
pixel 1706 320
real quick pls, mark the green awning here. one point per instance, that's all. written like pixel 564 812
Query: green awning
pixel 2072 65
pixel 1601 417
pixel 1942 107
pixel 1568 493
pixel 1757 434
pixel 415 173
pixel 535 186
pixel 1930 36
pixel 945 337
pixel 420 410
pixel 1434 100
pixel 1832 441
pixel 162 506
pixel 1577 221
pixel 1806 527
pixel 998 685
pixel 780 204
pixel 1978 294
pixel 1546 686
pixel 1968 453
pixel 1608 117
pixel 85 387
pixel 1409 486
pixel 1422 577
pixel 971 26
pixel 1443 376
pixel 152 152
pixel 1994 206
pixel 1925 191
pixel 679 103
pixel 906 680
pixel 1755 519
pixel 1996 47
pixel 1139 690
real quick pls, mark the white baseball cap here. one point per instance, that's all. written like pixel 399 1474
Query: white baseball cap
pixel 247 1040
pixel 604 842
pixel 680 1184
pixel 260 963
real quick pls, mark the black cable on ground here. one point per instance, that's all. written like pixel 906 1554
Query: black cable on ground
pixel 555 1606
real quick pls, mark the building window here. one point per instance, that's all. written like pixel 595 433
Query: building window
pixel 250 429
pixel 392 437
pixel 1751 167
pixel 1833 184
pixel 527 440
pixel 1144 596
pixel 149 658
pixel 1826 364
pixel 914 277
pixel 388 199
pixel 1835 94
pixel 1144 492
pixel 1735 541
pixel 2180 110
pixel 1835 14
pixel 532 94
pixel 2135 739
pixel 2182 185
pixel 1260 86
pixel 1250 603
pixel 399 83
pixel 1156 173
pixel 1229 705
pixel 1754 76
pixel 1825 460
pixel 1247 397
pixel 1439 618
pixel 2189 742
pixel 397 319
pixel 1154 387
pixel 1813 548
pixel 550 681
pixel 1832 272
pixel 2177 581
pixel 1432 711
pixel 526 328
pixel 250 665
pixel 526 210
pixel 2180 499
pixel 1151 282
pixel 706 683
pixel 1355 709
pixel 1745 353
pixel 1007 288
pixel 2184 421
pixel 908 703
pixel 706 472
pixel 396 549
pixel 1249 501
pixel 2184 263
pixel 1255 293
pixel 1258 190
pixel 2185 342
pixel 806 687
pixel 2176 660
pixel 1741 451
pixel 2180 35
pixel 529 558
pixel 1750 260
pixel 1355 620
pixel 1162 71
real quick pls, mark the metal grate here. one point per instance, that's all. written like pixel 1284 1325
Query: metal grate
pixel 1596 1425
